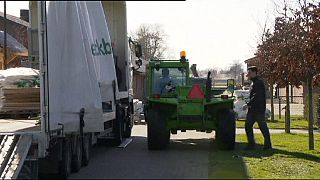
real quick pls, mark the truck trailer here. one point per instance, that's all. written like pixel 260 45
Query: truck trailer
pixel 85 88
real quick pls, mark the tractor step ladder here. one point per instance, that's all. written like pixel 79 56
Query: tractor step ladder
pixel 13 152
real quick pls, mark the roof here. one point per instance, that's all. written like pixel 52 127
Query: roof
pixel 250 60
pixel 12 44
pixel 15 19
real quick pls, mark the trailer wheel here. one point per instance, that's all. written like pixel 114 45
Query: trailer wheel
pixel 158 135
pixel 65 163
pixel 77 156
pixel 118 125
pixel 226 131
pixel 86 150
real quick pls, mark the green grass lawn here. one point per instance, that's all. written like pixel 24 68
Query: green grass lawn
pixel 289 158
pixel 297 122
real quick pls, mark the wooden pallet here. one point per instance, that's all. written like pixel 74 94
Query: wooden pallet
pixel 17 100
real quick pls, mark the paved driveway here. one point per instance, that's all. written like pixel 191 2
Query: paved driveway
pixel 185 158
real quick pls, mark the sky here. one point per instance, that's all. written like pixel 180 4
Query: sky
pixel 214 33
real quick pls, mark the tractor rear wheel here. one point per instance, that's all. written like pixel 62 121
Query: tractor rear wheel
pixel 158 135
pixel 226 131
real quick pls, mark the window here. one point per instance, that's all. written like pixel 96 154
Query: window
pixel 165 80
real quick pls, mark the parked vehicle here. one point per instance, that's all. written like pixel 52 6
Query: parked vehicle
pixel 177 102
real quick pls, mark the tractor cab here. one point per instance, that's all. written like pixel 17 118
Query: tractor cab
pixel 165 77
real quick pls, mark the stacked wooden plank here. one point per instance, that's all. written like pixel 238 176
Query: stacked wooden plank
pixel 20 99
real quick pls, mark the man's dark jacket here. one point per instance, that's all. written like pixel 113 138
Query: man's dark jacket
pixel 257 103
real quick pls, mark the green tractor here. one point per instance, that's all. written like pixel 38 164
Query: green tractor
pixel 177 101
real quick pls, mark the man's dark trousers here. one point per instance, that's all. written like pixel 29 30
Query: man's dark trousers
pixel 253 117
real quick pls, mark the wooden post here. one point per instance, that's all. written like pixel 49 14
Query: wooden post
pixel 291 93
pixel 287 119
pixel 279 98
pixel 5 36
pixel 272 105
pixel 310 111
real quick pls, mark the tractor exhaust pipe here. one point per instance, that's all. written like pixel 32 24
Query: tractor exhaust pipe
pixel 208 87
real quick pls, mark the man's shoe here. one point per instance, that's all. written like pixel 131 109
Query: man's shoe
pixel 267 147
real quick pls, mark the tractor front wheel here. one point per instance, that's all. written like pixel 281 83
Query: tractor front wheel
pixel 226 131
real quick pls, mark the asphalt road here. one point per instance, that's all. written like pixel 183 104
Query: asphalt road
pixel 185 158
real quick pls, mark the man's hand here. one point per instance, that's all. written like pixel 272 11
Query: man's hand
pixel 245 107
pixel 170 88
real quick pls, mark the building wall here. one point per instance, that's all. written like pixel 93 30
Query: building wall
pixel 139 86
pixel 296 92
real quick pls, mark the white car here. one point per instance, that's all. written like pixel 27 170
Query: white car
pixel 242 96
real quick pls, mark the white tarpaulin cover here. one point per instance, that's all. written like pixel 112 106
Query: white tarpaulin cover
pixel 81 65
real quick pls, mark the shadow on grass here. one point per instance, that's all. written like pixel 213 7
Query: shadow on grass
pixel 226 164
pixel 232 164
pixel 258 152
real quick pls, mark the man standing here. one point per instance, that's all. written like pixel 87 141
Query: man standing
pixel 256 110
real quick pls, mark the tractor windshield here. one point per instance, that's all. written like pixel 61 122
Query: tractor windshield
pixel 165 80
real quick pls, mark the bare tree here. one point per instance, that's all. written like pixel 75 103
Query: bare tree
pixel 235 71
pixel 152 39
pixel 204 72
